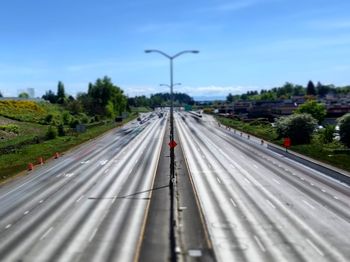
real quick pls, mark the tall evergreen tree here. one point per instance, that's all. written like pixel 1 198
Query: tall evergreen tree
pixel 60 93
pixel 344 129
pixel 310 89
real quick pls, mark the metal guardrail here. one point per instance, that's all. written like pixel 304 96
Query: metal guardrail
pixel 338 174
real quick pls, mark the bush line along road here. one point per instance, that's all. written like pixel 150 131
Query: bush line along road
pixel 92 204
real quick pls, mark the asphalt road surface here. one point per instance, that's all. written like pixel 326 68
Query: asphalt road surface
pixel 89 205
pixel 261 206
pixel 93 203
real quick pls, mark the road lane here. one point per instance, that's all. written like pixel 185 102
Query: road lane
pixel 260 206
pixel 88 205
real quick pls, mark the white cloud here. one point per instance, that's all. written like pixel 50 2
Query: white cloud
pixel 214 90
pixel 140 90
pixel 200 91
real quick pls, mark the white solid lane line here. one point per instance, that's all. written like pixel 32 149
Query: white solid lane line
pixel 93 235
pixel 261 246
pixel 233 202
pixel 314 247
pixel 80 198
pixel 269 202
pixel 276 181
pixel 307 203
pixel 46 233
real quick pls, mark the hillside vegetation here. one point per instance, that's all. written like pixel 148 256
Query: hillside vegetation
pixel 29 129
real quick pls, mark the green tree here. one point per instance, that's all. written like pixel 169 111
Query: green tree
pixel 104 98
pixel 268 96
pixel 229 98
pixel 23 95
pixel 74 106
pixel 299 127
pixel 110 110
pixel 344 129
pixel 310 89
pixel 317 110
pixel 50 96
pixel 61 95
pixel 244 97
pixel 322 90
pixel 298 90
pixel 1 94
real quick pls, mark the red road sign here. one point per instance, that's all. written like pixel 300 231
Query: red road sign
pixel 172 144
pixel 287 142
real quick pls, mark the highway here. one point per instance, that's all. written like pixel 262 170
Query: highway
pixel 88 205
pixel 258 205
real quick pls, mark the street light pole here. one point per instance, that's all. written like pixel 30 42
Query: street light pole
pixel 171 58
pixel 172 152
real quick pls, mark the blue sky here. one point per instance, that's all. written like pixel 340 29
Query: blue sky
pixel 244 45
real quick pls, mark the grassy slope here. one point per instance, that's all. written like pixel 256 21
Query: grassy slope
pixel 320 152
pixel 27 131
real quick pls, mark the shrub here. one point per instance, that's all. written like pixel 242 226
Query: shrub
pixel 10 128
pixel 66 118
pixel 298 127
pixel 97 118
pixel 326 135
pixel 344 129
pixel 60 130
pixel 49 118
pixel 85 120
pixel 74 123
pixel 51 133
